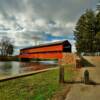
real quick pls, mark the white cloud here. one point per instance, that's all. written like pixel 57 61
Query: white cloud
pixel 70 25
pixel 40 22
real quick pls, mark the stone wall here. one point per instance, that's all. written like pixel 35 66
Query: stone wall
pixel 69 58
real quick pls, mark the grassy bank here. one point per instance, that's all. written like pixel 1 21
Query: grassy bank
pixel 36 87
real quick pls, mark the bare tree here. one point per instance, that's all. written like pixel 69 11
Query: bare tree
pixel 6 46
pixel 10 49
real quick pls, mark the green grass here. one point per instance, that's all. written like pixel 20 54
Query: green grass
pixel 36 87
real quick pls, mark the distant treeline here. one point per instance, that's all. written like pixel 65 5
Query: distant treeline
pixel 9 58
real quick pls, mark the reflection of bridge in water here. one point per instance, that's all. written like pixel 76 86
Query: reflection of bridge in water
pixel 13 68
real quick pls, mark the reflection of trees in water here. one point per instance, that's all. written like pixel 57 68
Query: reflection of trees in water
pixel 6 66
pixel 9 68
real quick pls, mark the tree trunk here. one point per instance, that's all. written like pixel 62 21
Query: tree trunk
pixel 61 74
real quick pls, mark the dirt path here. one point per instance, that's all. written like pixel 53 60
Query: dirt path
pixel 80 91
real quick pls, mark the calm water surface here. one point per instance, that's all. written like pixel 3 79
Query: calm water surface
pixel 14 68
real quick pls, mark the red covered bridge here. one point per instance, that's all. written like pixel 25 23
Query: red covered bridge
pixel 46 51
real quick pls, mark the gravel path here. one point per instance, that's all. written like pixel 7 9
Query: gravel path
pixel 80 91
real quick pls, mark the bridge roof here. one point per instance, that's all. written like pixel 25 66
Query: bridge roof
pixel 48 44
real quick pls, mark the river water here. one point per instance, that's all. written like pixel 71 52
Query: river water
pixel 15 68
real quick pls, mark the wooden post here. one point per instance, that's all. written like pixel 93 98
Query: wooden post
pixel 61 72
pixel 86 77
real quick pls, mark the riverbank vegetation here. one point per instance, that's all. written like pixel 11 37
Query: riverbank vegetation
pixel 42 86
pixel 9 58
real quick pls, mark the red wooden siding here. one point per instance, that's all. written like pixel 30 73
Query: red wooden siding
pixel 44 49
pixel 49 55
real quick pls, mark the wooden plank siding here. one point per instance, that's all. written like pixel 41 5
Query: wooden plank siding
pixel 47 55
pixel 43 49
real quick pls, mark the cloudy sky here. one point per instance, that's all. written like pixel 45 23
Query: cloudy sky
pixel 31 22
